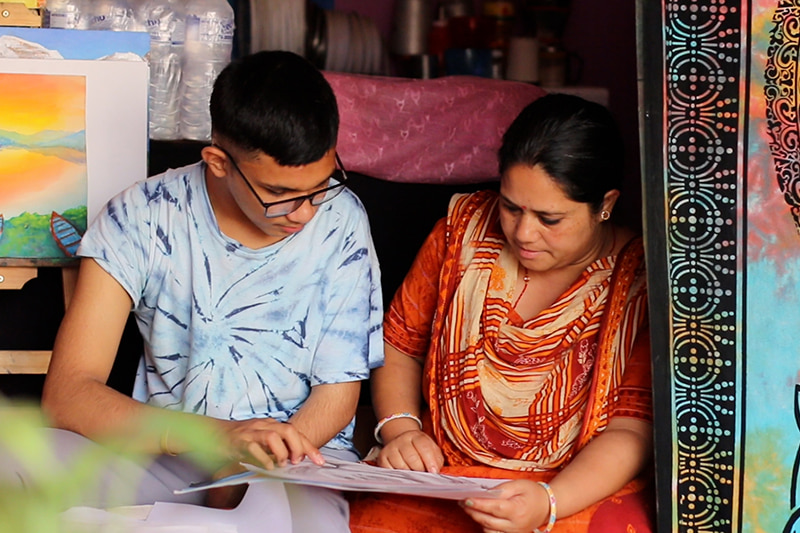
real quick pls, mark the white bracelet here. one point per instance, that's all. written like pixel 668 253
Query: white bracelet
pixel 551 498
pixel 395 416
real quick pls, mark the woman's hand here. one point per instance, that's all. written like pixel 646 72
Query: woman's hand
pixel 412 450
pixel 269 442
pixel 522 506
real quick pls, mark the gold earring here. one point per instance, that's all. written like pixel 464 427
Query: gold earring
pixel 604 215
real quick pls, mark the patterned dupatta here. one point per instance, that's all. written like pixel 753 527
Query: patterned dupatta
pixel 524 396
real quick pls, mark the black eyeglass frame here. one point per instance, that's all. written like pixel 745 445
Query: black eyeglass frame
pixel 298 200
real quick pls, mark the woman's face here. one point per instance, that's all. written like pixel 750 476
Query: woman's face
pixel 547 230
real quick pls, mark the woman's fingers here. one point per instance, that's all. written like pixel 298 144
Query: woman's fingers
pixel 412 450
pixel 430 454
pixel 518 509
pixel 487 521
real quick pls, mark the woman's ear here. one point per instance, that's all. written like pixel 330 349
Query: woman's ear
pixel 609 200
pixel 216 160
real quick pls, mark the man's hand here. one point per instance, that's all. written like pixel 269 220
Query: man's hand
pixel 269 442
pixel 226 497
pixel 412 450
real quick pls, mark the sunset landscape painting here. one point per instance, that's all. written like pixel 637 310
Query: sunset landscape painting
pixel 73 133
pixel 43 170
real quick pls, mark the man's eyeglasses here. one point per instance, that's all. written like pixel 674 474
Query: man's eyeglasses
pixel 284 207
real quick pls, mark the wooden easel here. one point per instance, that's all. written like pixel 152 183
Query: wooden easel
pixel 18 14
pixel 14 274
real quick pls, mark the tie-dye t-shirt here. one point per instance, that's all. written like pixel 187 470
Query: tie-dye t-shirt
pixel 236 333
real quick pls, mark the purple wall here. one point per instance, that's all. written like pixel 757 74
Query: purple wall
pixel 603 34
pixel 380 11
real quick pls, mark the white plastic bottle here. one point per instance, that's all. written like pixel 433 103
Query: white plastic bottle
pixel 115 15
pixel 165 21
pixel 209 41
pixel 66 14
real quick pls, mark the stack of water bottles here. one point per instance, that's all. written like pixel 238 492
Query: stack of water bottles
pixel 165 21
pixel 190 43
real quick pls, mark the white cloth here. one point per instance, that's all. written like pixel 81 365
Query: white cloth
pixel 152 507
pixel 286 508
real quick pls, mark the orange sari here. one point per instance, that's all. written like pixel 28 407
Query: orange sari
pixel 510 398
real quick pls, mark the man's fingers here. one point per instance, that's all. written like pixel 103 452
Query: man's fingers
pixel 298 446
pixel 260 455
pixel 273 443
pixel 313 453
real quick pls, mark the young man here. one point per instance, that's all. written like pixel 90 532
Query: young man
pixel 254 283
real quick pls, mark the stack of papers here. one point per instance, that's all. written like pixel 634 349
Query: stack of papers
pixel 349 476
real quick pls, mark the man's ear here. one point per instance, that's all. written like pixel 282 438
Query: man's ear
pixel 216 160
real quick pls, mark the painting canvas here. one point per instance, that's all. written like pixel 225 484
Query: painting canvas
pixel 73 132
pixel 723 233
pixel 43 182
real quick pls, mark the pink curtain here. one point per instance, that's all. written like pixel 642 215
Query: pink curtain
pixel 444 130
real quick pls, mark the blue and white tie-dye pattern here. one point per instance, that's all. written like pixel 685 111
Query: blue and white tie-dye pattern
pixel 236 333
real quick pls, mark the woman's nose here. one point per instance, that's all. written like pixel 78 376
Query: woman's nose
pixel 527 228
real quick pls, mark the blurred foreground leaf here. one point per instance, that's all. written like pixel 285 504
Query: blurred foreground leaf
pixel 54 486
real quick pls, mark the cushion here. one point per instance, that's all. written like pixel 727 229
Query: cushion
pixel 444 130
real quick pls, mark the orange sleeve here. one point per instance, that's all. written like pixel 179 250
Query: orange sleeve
pixel 407 324
pixel 635 398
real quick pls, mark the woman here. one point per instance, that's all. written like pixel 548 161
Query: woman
pixel 523 322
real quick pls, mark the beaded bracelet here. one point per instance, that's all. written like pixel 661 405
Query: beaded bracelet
pixel 552 498
pixel 395 416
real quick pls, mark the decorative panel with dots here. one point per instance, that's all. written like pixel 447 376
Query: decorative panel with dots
pixel 722 193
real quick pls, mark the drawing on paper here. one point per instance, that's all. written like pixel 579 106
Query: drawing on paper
pixel 43 176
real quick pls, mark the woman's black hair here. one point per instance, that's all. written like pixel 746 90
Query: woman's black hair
pixel 575 141
pixel 276 102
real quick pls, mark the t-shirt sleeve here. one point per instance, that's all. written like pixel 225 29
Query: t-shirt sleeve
pixel 352 340
pixel 115 240
pixel 408 323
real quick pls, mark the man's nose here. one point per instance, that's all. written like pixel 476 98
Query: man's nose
pixel 304 213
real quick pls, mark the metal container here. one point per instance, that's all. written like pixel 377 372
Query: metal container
pixel 410 27
pixel 456 8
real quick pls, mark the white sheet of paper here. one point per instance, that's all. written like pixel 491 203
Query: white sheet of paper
pixel 345 475
pixel 263 503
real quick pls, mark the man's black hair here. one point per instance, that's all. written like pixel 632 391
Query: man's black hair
pixel 276 102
